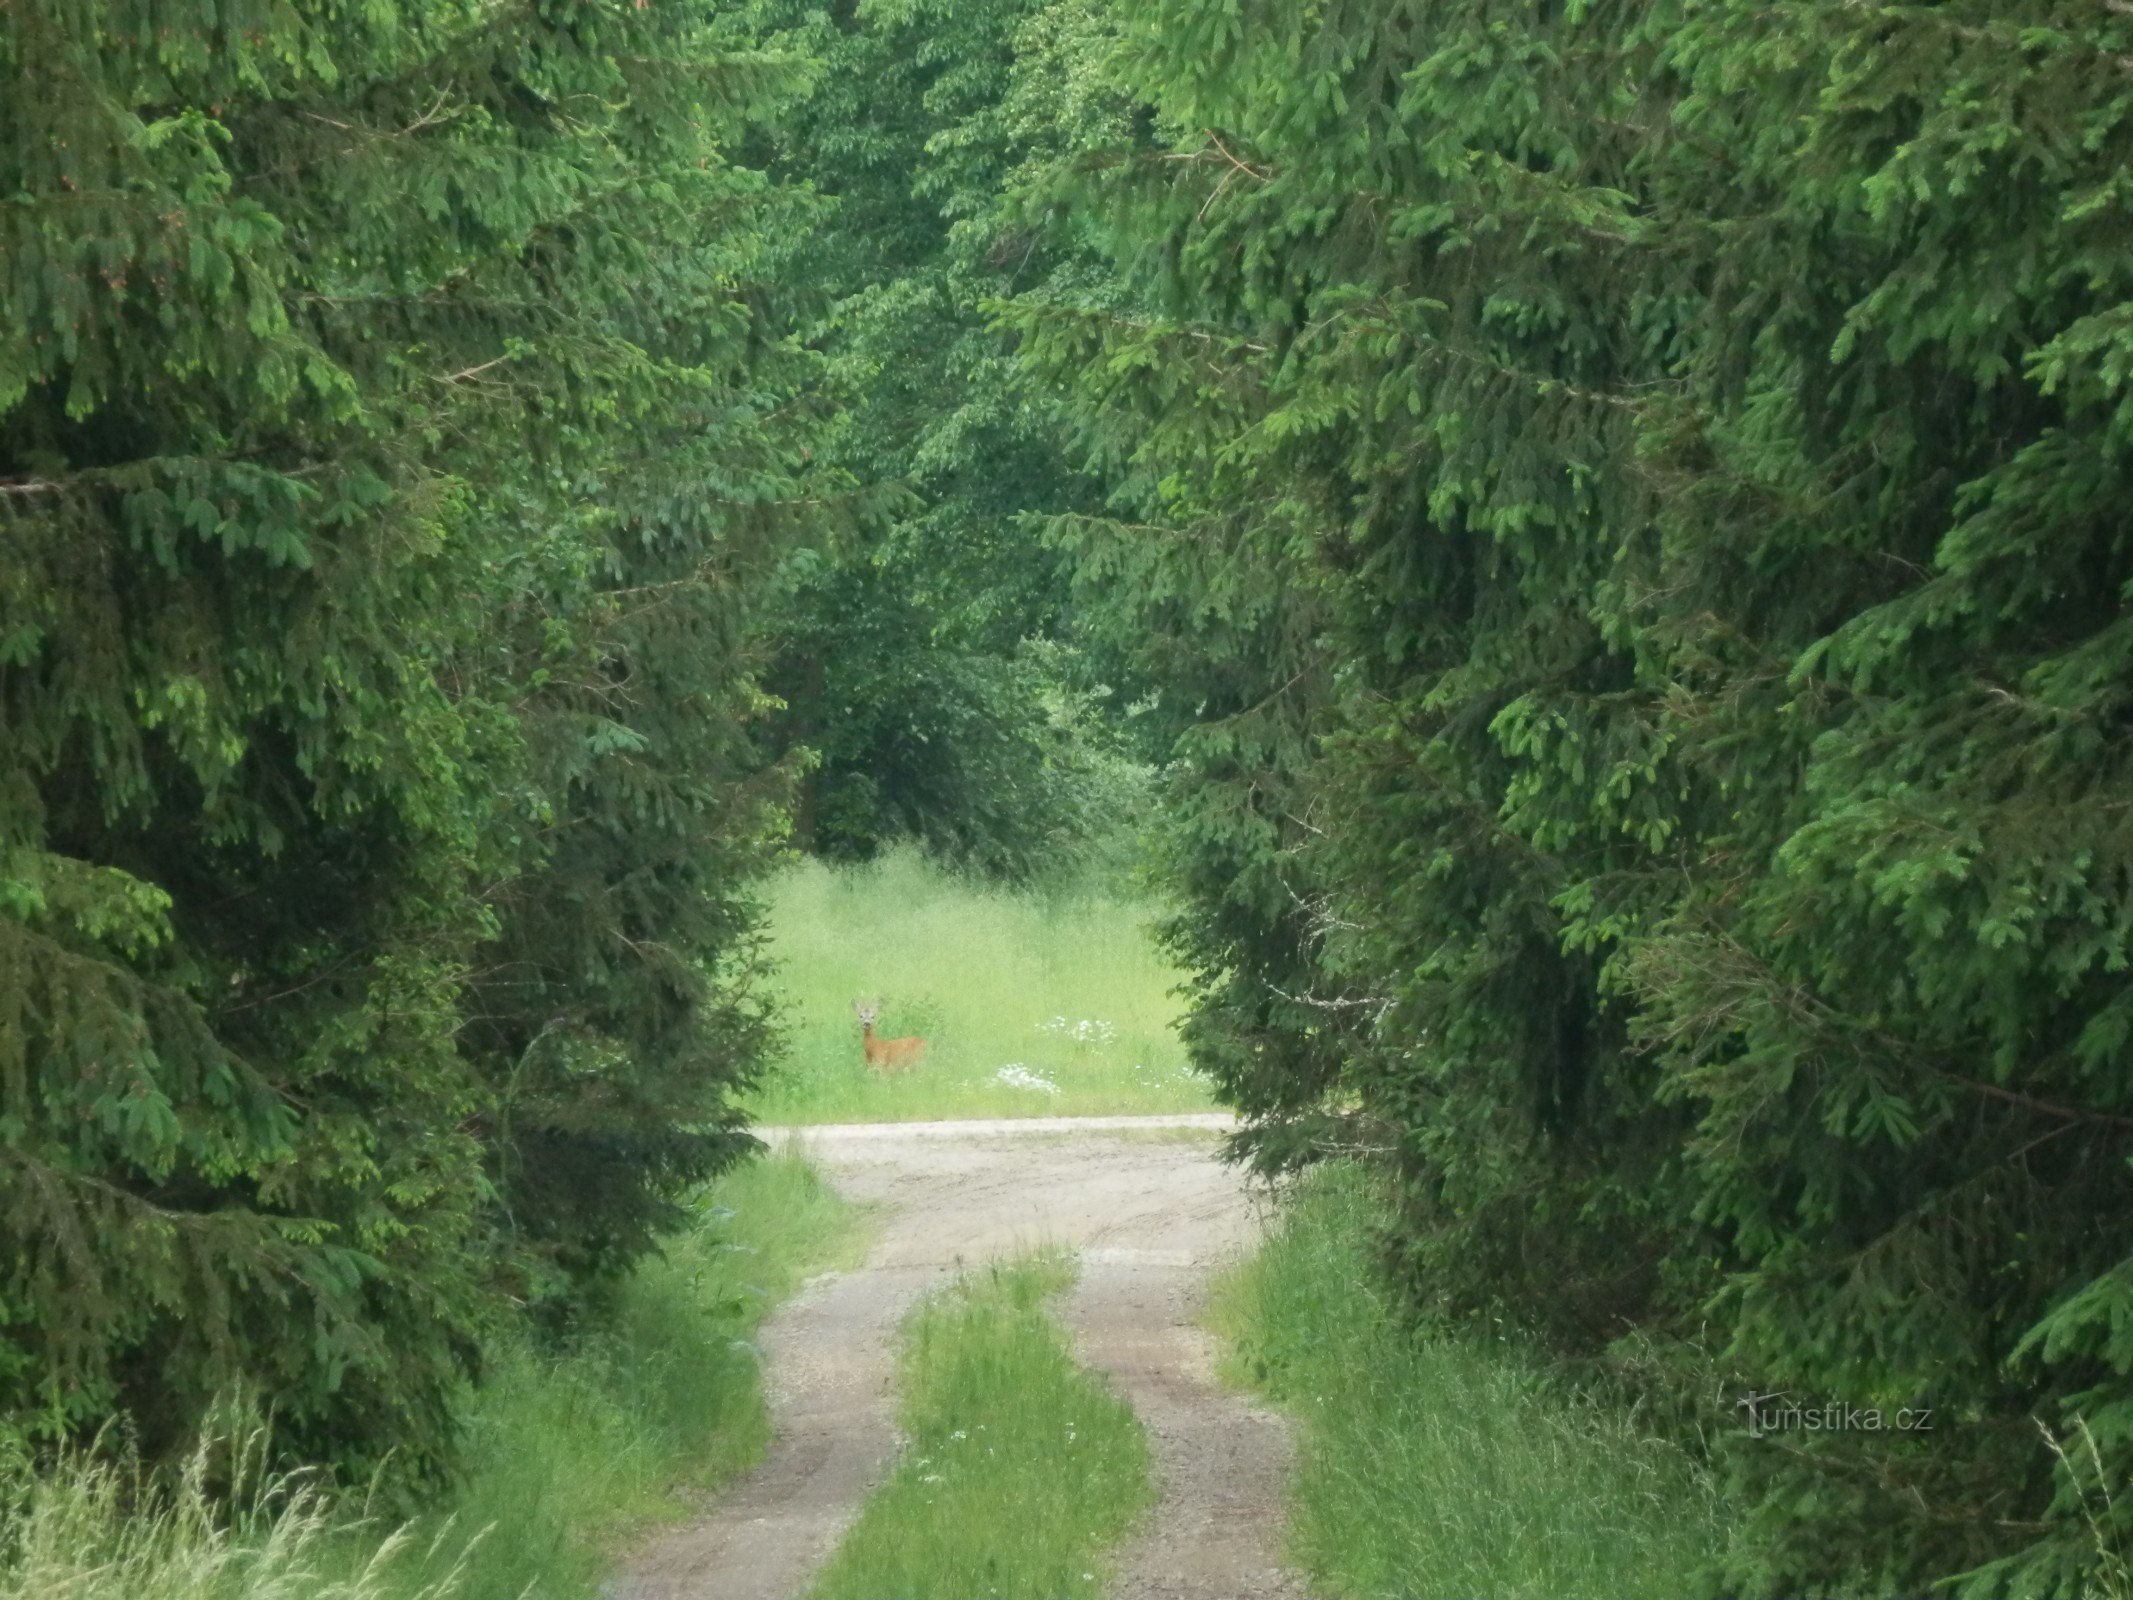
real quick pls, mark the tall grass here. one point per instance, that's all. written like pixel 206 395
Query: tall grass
pixel 1032 1004
pixel 1022 1469
pixel 96 1527
pixel 566 1450
pixel 569 1450
pixel 1438 1466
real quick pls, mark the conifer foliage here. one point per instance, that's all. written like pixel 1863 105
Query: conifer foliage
pixel 934 664
pixel 390 439
pixel 1626 505
pixel 1616 512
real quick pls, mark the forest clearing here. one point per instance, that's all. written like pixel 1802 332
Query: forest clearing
pixel 1516 622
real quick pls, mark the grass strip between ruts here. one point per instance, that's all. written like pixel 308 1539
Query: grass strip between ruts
pixel 1023 1470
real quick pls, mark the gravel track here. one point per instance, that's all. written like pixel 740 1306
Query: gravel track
pixel 1150 1217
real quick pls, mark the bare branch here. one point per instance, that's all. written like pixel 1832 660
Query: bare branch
pixel 1261 173
pixel 469 373
pixel 2050 1108
pixel 430 118
pixel 1383 1003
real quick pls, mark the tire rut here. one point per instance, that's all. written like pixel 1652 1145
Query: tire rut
pixel 1151 1220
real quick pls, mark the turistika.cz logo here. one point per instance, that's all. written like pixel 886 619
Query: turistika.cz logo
pixel 1779 1413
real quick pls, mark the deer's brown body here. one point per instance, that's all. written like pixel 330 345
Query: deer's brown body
pixel 884 1055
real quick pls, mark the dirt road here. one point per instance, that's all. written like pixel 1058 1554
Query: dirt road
pixel 1151 1212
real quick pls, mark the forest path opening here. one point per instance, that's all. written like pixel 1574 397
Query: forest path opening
pixel 1152 1213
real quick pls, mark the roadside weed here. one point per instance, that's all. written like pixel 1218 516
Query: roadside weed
pixel 1435 1466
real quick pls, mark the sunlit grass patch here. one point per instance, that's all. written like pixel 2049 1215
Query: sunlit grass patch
pixel 1031 1003
pixel 1022 1469
pixel 1435 1466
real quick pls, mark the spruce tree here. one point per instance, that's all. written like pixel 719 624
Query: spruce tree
pixel 1622 502
pixel 388 438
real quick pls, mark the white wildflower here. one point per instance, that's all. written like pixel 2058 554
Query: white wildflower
pixel 1017 1076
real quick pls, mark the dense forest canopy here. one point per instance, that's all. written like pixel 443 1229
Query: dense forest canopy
pixel 934 664
pixel 1606 521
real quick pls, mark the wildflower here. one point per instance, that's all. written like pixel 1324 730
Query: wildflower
pixel 1017 1076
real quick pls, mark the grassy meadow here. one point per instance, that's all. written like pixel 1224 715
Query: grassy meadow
pixel 568 1451
pixel 1443 1468
pixel 1022 1470
pixel 1036 1003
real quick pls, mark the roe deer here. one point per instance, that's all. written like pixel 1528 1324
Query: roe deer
pixel 884 1055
